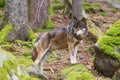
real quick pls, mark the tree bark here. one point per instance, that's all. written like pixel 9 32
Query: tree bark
pixel 16 14
pixel 77 9
pixel 38 13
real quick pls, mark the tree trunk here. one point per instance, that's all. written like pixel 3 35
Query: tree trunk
pixel 16 14
pixel 38 13
pixel 77 9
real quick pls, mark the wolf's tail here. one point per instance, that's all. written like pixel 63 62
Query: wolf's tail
pixel 34 54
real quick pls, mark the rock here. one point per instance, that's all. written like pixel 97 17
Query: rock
pixel 107 49
pixel 77 72
pixel 12 69
pixel 116 75
pixel 94 32
pixel 5 56
pixel 105 64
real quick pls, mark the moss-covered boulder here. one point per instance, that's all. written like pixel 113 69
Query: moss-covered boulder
pixel 94 31
pixel 107 48
pixel 77 72
pixel 12 69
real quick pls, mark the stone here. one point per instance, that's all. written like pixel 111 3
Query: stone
pixel 12 69
pixel 77 72
pixel 107 51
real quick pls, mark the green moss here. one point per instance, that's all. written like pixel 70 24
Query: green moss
pixel 114 10
pixel 24 44
pixel 4 32
pixel 1 18
pixel 94 30
pixel 109 43
pixel 49 24
pixel 91 7
pixel 3 74
pixel 2 3
pixel 15 67
pixel 41 30
pixel 9 65
pixel 50 10
pixel 103 14
pixel 58 6
pixel 77 72
pixel 24 62
pixel 54 1
pixel 31 36
pixel 22 77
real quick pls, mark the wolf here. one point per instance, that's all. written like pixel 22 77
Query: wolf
pixel 62 38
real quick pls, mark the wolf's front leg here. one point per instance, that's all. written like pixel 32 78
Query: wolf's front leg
pixel 73 52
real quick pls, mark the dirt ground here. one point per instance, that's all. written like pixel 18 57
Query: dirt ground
pixel 84 56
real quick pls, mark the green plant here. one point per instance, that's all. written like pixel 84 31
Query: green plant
pixel 58 6
pixel 4 32
pixel 91 7
pixel 49 24
pixel 2 3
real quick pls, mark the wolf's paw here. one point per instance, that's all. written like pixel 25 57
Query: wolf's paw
pixel 73 60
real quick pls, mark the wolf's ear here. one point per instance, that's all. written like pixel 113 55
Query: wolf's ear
pixel 84 20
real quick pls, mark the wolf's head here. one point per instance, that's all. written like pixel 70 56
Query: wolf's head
pixel 79 28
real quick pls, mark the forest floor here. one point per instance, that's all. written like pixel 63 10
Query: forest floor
pixel 105 16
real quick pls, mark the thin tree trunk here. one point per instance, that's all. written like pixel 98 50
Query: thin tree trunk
pixel 77 9
pixel 38 13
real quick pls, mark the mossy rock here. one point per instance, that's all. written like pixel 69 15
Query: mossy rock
pixel 107 49
pixel 5 56
pixel 11 68
pixel 109 43
pixel 94 30
pixel 77 72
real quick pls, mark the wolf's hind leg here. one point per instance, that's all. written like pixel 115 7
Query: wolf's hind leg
pixel 45 55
